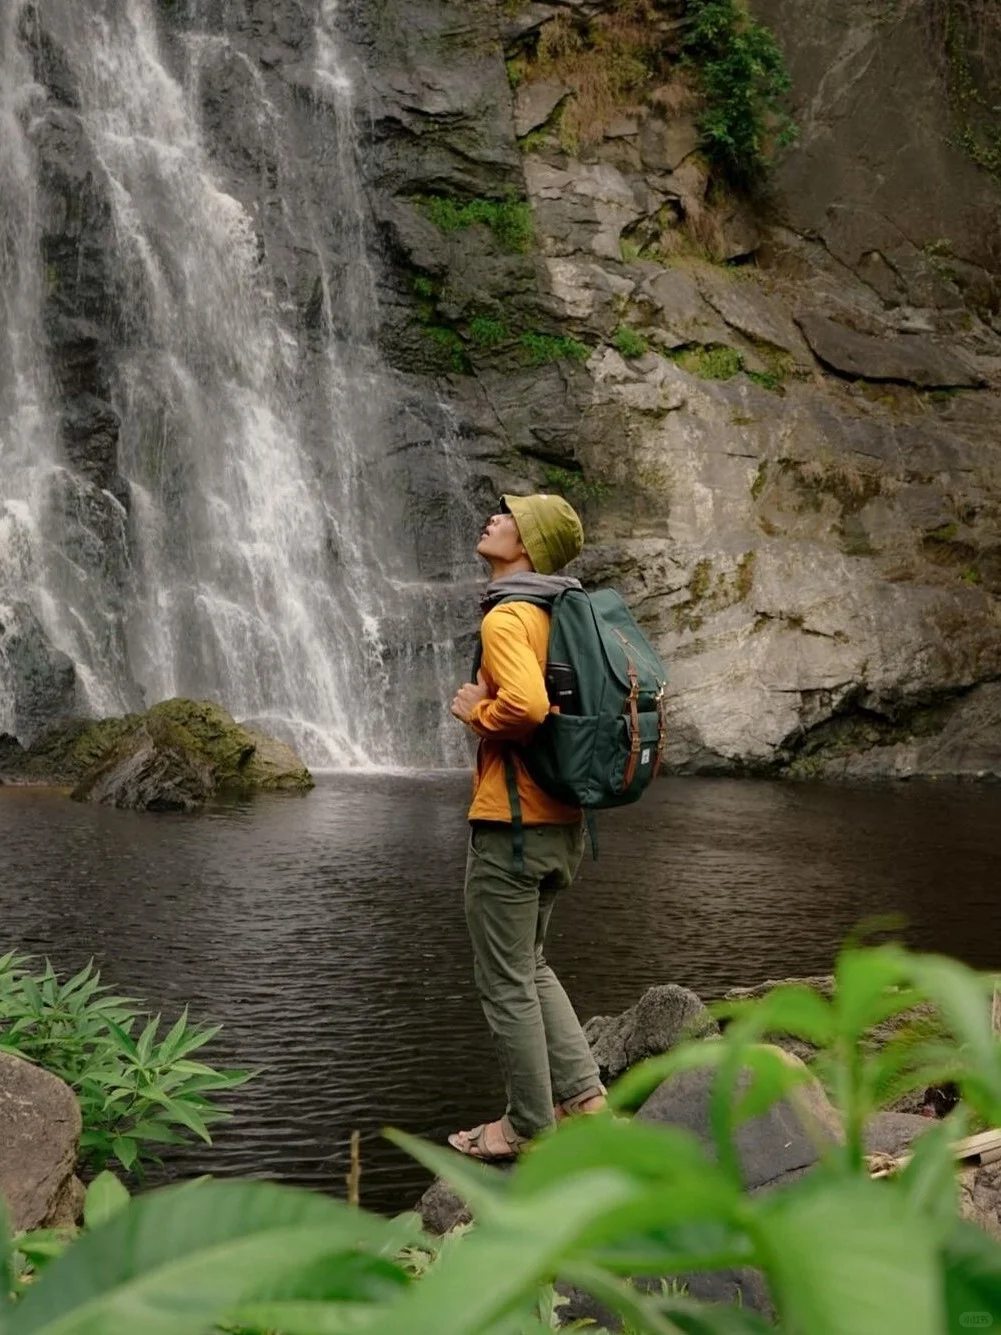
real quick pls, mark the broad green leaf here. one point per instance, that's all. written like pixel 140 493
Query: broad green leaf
pixel 42 1245
pixel 503 1258
pixel 638 1312
pixel 864 982
pixel 962 997
pixel 125 1151
pixel 173 1262
pixel 304 1318
pixel 849 1257
pixel 793 1009
pixel 478 1184
pixel 105 1197
pixel 928 1180
pixel 636 1086
pixel 972 1265
pixel 646 1150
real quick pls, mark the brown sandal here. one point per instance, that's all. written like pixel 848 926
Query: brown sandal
pixel 590 1101
pixel 474 1143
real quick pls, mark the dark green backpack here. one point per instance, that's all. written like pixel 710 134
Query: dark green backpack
pixel 605 745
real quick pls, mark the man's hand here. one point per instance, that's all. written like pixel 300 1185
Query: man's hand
pixel 468 697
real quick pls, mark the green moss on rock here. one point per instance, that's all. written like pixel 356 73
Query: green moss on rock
pixel 203 737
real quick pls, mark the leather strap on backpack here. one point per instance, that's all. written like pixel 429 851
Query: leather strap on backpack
pixel 634 724
pixel 661 731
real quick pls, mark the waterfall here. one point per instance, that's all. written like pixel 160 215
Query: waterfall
pixel 262 558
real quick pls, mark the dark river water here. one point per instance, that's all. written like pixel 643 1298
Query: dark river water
pixel 326 933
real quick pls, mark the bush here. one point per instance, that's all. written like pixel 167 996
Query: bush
pixel 712 362
pixel 542 348
pixel 136 1088
pixel 744 81
pixel 597 1203
pixel 510 220
pixel 628 342
pixel 487 333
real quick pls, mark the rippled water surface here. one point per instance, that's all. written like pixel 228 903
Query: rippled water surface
pixel 326 932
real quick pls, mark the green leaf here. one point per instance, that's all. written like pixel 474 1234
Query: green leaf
pixel 962 998
pixel 793 1009
pixel 304 1318
pixel 144 1046
pixel 636 1086
pixel 41 1245
pixel 173 1262
pixel 125 1151
pixel 105 1197
pixel 848 1257
pixel 972 1263
pixel 479 1185
pixel 123 1040
pixel 503 1258
pixel 928 1180
pixel 864 981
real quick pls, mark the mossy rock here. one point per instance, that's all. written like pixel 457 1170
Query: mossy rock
pixel 191 739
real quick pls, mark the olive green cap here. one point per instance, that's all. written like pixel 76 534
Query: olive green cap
pixel 549 528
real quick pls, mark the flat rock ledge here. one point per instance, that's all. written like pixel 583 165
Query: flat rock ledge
pixel 172 758
pixel 39 1140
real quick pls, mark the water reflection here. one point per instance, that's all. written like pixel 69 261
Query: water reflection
pixel 325 931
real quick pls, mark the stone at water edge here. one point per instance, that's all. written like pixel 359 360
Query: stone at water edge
pixel 39 1140
pixel 663 1017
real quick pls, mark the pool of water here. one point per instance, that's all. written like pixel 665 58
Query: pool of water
pixel 325 931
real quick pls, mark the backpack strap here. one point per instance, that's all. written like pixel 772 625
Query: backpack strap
pixel 517 824
pixel 510 774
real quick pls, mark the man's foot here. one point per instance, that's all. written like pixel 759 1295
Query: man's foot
pixel 591 1101
pixel 492 1142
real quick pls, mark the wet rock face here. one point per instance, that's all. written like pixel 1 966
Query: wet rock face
pixel 780 430
pixel 780 424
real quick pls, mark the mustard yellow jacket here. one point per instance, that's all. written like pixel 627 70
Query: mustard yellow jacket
pixel 515 640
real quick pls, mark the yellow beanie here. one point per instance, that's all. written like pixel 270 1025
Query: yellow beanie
pixel 549 528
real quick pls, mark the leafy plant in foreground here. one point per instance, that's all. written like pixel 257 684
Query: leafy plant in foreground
pixel 602 1201
pixel 137 1087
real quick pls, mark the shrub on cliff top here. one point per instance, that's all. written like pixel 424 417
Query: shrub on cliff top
pixel 744 81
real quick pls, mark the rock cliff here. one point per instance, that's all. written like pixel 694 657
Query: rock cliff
pixel 777 408
pixel 775 401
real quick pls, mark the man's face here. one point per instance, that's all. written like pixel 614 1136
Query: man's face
pixel 500 540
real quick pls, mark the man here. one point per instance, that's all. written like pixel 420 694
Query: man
pixel 511 880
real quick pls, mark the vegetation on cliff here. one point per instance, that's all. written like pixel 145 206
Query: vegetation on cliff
pixel 615 59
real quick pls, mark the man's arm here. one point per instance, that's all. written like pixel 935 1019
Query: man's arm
pixel 521 702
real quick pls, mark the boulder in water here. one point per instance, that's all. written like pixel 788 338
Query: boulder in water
pixel 171 758
pixel 155 767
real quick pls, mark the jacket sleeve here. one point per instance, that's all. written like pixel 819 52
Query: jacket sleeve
pixel 518 701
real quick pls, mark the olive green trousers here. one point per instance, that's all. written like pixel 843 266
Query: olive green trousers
pixel 543 1053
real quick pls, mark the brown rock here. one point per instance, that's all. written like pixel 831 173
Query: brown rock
pixel 664 145
pixel 39 1138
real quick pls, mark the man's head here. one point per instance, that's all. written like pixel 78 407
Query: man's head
pixel 540 532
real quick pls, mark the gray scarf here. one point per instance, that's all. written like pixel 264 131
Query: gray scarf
pixel 526 584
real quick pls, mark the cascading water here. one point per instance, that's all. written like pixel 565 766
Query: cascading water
pixel 265 564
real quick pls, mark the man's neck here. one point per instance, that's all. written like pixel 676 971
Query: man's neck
pixel 498 569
